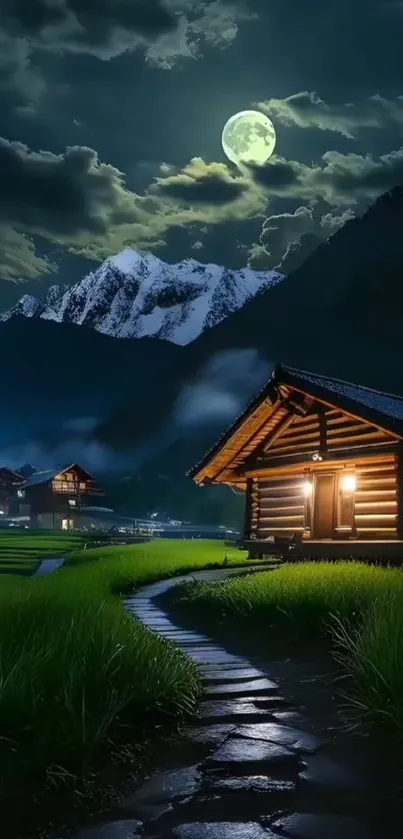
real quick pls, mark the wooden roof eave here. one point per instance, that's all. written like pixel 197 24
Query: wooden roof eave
pixel 221 460
pixel 217 461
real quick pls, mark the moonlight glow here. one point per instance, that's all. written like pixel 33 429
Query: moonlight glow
pixel 249 137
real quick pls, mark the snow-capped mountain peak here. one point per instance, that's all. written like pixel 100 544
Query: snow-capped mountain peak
pixel 133 295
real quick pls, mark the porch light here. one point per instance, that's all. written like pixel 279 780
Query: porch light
pixel 308 489
pixel 348 483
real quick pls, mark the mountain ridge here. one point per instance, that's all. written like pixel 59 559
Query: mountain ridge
pixel 135 296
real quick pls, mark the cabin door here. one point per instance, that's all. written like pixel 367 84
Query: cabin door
pixel 323 506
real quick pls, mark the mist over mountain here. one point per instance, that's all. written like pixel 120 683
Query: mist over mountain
pixel 155 406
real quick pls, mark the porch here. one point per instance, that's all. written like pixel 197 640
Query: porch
pixel 316 549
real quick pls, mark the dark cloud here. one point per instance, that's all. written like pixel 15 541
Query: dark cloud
pixel 200 183
pixel 75 200
pixel 308 110
pixel 103 28
pixel 61 194
pixel 337 179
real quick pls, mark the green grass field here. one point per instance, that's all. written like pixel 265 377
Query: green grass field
pixel 359 606
pixel 74 666
pixel 21 551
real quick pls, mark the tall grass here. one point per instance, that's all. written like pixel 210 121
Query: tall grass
pixel 361 606
pixel 74 665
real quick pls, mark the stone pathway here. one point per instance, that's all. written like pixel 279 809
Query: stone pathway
pixel 246 768
pixel 49 565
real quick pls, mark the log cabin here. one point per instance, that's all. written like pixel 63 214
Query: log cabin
pixel 55 498
pixel 10 482
pixel 321 463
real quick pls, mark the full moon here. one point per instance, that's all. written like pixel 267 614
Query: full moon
pixel 249 137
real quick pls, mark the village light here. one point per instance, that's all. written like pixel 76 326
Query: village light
pixel 348 483
pixel 308 489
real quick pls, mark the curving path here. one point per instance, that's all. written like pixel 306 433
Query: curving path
pixel 247 768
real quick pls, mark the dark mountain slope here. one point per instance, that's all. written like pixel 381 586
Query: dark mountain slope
pixel 340 313
pixel 51 372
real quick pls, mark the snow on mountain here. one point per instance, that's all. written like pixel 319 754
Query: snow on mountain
pixel 134 296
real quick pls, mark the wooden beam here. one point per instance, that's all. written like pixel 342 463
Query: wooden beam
pixel 322 432
pixel 248 509
pixel 395 435
pixel 257 430
pixel 399 491
pixel 279 430
pixel 274 468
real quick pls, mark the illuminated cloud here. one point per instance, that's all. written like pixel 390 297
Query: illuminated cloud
pixel 75 200
pixel 308 110
pixel 338 179
pixel 18 260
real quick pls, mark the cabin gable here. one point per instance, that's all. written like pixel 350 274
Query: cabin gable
pixel 320 431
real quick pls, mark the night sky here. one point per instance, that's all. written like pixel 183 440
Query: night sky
pixel 111 120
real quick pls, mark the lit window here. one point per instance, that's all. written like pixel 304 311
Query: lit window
pixel 21 493
pixel 72 502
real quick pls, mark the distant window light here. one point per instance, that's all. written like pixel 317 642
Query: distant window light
pixel 72 502
pixel 21 493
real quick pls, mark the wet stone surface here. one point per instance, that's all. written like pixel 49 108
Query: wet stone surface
pixel 157 794
pixel 241 688
pixel 123 829
pixel 250 765
pixel 285 735
pixel 230 709
pixel 240 674
pixel 252 784
pixel 210 734
pixel 240 750
pixel 222 830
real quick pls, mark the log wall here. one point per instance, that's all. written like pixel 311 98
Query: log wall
pixel 278 506
pixel 375 513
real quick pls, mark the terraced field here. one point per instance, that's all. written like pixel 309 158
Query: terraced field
pixel 21 552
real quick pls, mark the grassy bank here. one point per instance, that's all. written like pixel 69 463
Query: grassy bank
pixel 360 606
pixel 74 666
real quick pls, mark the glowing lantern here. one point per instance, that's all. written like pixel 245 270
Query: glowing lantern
pixel 348 483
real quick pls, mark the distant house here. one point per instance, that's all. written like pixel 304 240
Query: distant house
pixel 55 498
pixel 10 481
pixel 321 464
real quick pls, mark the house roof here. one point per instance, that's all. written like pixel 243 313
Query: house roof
pixel 48 475
pixel 11 472
pixel 385 410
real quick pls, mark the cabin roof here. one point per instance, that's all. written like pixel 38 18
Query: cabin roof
pixel 382 409
pixel 46 476
pixel 387 405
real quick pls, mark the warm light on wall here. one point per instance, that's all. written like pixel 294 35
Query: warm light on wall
pixel 308 488
pixel 348 483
